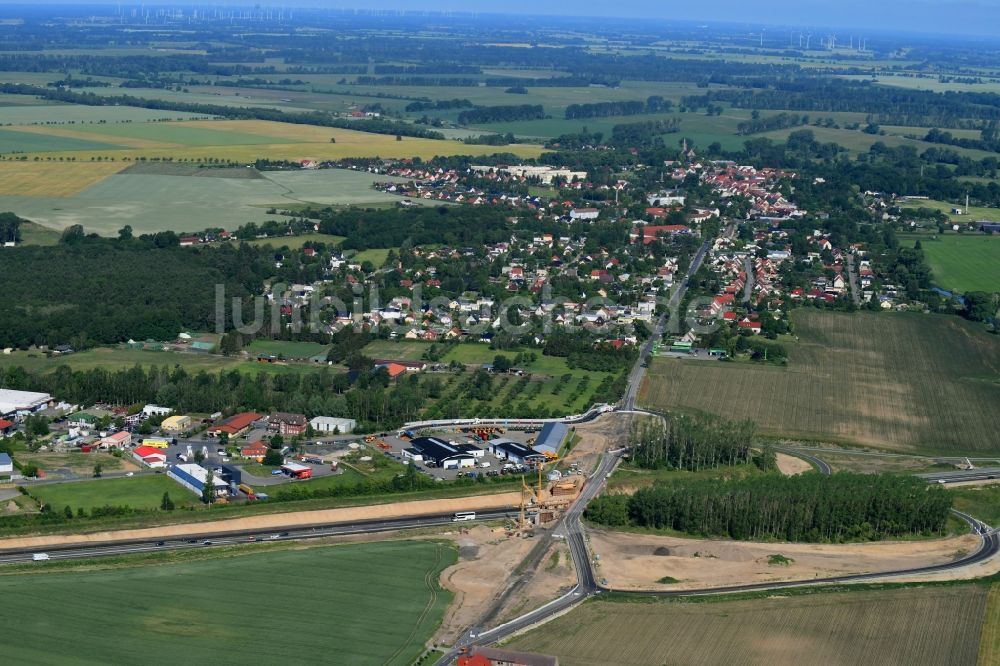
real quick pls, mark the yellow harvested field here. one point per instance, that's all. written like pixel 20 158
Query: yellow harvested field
pixel 53 179
pixel 129 142
pixel 292 131
pixel 989 644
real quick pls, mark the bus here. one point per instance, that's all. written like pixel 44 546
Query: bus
pixel 464 515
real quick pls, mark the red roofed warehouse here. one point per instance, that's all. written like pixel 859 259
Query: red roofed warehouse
pixel 235 425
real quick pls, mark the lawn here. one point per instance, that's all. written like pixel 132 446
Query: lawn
pixel 375 255
pixel 116 359
pixel 396 350
pixel 982 502
pixel 139 492
pixel 77 462
pixel 964 262
pixel 893 626
pixel 366 604
pixel 287 348
pixel 975 212
pixel 909 382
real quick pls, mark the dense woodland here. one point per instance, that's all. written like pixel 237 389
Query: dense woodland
pixel 809 507
pixel 692 443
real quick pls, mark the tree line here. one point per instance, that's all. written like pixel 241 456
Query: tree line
pixel 653 104
pixel 810 507
pixel 501 114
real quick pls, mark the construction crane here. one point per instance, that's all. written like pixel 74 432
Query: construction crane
pixel 527 492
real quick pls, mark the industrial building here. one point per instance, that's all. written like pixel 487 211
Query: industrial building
pixel 235 425
pixel 515 452
pixel 551 438
pixel 175 424
pixel 438 453
pixel 22 403
pixel 193 478
pixel 156 410
pixel 150 457
pixel 332 425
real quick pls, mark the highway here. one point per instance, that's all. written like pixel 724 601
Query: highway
pixel 110 548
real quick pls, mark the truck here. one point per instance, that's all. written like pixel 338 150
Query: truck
pixel 156 443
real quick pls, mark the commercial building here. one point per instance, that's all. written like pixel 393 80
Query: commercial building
pixel 256 450
pixel 119 440
pixel 22 403
pixel 6 465
pixel 332 425
pixel 156 410
pixel 175 424
pixel 551 438
pixel 235 425
pixel 298 470
pixel 438 453
pixel 150 457
pixel 287 424
pixel 515 452
pixel 193 478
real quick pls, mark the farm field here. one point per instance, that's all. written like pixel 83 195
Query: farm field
pixel 104 199
pixel 923 384
pixel 397 350
pixel 139 492
pixel 244 141
pixel 894 626
pixel 77 115
pixel 178 611
pixel 12 141
pixel 964 262
pixel 857 141
pixel 29 180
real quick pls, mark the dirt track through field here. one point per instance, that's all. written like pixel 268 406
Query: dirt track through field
pixel 274 521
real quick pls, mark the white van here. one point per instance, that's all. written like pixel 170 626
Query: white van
pixel 484 464
pixel 40 557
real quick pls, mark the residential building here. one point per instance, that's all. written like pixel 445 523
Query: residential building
pixel 6 428
pixel 6 465
pixel 287 424
pixel 256 450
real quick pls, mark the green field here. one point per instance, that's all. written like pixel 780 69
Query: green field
pixel 179 133
pixel 892 626
pixel 900 381
pixel 74 114
pixel 296 242
pixel 139 492
pixel 12 141
pixel 115 359
pixel 397 350
pixel 288 349
pixel 975 212
pixel 964 262
pixel 366 604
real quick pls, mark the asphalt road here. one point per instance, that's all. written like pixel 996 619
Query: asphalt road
pixel 820 465
pixel 105 549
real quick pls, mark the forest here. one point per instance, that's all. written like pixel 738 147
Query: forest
pixel 810 507
pixel 10 228
pixel 692 443
pixel 89 290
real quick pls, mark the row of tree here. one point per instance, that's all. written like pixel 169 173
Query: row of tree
pixel 653 104
pixel 501 114
pixel 809 507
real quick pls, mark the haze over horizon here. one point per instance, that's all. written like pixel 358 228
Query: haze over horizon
pixel 970 17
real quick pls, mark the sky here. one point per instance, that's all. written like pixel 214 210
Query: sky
pixel 979 17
